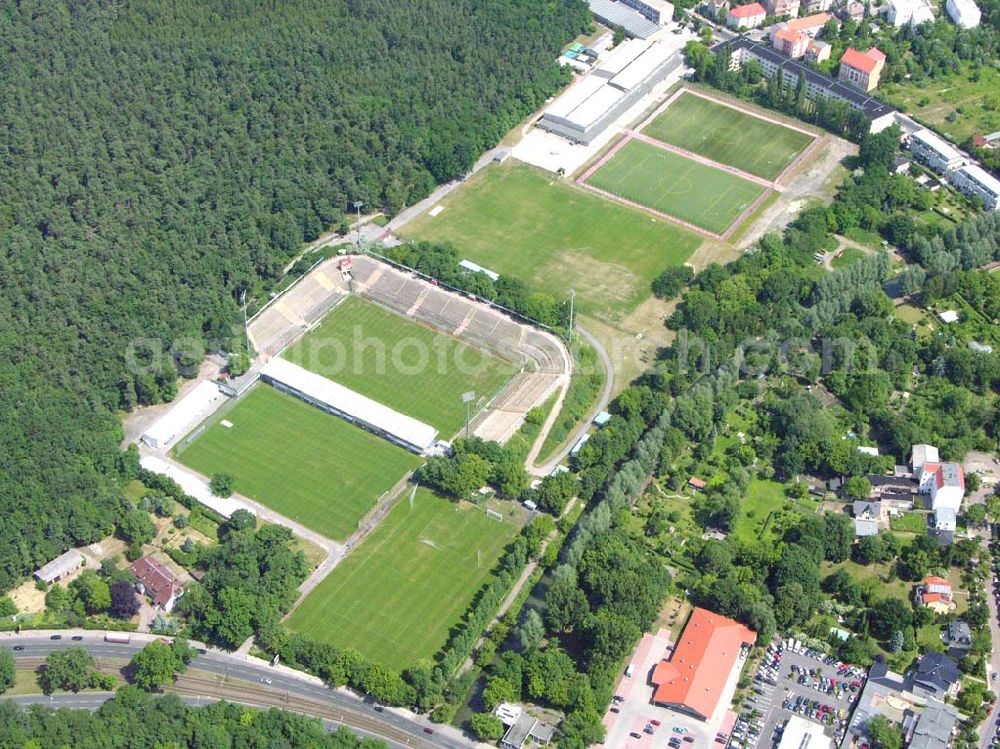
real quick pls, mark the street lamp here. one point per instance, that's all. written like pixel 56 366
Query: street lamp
pixel 357 207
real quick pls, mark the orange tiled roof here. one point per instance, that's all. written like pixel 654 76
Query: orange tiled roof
pixel 864 61
pixel 701 662
pixel 746 11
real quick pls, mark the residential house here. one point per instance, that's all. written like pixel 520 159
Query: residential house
pixel 155 580
pixel 782 8
pixel 870 518
pixel 817 51
pixel 944 523
pixel 921 454
pixel 945 483
pixel 789 42
pixel 975 182
pixel 935 593
pixel 935 152
pixel 963 13
pixel 712 8
pixel 853 12
pixel 746 16
pixel 936 675
pixel 958 637
pixel 697 484
pixel 861 69
pixel 816 6
pixel 900 165
pixel 521 727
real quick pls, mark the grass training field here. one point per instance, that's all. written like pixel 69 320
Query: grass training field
pixel 400 363
pixel 675 185
pixel 728 136
pixel 519 221
pixel 396 596
pixel 299 461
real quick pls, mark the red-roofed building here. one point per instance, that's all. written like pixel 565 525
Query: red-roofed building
pixel 790 42
pixel 935 593
pixel 746 16
pixel 810 25
pixel 945 482
pixel 861 69
pixel 696 483
pixel 694 679
pixel 157 581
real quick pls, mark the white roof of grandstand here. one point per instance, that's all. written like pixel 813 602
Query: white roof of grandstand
pixel 185 413
pixel 983 177
pixel 476 268
pixel 353 404
pixel 642 67
pixel 625 54
pixel 575 96
pixel 194 486
pixel 596 106
pixel 943 148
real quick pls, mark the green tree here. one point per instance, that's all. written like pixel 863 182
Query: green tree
pixel 155 665
pixel 486 727
pixel 883 734
pixel 221 484
pixel 71 670
pixel 499 690
pixel 8 670
pixel 92 591
pixel 532 630
pixel 858 487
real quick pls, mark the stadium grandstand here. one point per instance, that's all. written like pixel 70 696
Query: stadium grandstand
pixel 184 415
pixel 338 400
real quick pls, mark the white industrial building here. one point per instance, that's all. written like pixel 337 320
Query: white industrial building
pixel 640 18
pixel 193 486
pixel 964 13
pixel 184 415
pixel 800 733
pixel 976 182
pixel 935 152
pixel 62 565
pixel 590 105
pixel 334 398
pixel 913 12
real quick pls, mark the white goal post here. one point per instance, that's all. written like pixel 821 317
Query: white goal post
pixel 494 514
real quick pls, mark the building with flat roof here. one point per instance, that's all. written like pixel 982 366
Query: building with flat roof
pixel 589 106
pixel 935 152
pixel 184 415
pixel 470 267
pixel 935 728
pixel 975 182
pixel 334 398
pixel 522 728
pixel 908 12
pixel 635 23
pixel 746 16
pixel 800 733
pixel 692 681
pixel 64 564
pixel 818 86
pixel 963 13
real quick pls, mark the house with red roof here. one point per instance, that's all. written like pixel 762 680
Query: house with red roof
pixel 155 580
pixel 790 42
pixel 695 678
pixel 936 594
pixel 746 16
pixel 861 69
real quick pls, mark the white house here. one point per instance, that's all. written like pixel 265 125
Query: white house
pixel 945 482
pixel 974 181
pixel 964 13
pixel 935 152
pixel 913 12
pixel 923 454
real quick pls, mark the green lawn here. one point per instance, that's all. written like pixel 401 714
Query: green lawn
pixel 848 256
pixel 555 236
pixel 909 522
pixel 677 186
pixel 397 595
pixel 728 136
pixel 299 461
pixel 955 104
pixel 407 366
pixel 763 498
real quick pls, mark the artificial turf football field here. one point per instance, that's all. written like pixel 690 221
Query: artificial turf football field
pixel 728 136
pixel 298 460
pixel 522 222
pixel 676 185
pixel 395 597
pixel 399 363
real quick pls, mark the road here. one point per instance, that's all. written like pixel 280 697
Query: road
pixel 288 689
pixel 988 727
pixel 602 404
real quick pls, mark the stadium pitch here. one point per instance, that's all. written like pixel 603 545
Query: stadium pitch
pixel 676 186
pixel 400 363
pixel 519 221
pixel 727 135
pixel 397 595
pixel 307 465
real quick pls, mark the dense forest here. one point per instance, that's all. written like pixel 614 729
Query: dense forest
pixel 135 719
pixel 161 158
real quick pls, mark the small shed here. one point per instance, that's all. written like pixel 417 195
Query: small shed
pixel 696 483
pixel 602 419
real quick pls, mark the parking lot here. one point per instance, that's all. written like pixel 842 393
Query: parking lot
pixel 796 683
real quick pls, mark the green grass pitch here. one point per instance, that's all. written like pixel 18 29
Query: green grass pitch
pixel 522 222
pixel 400 363
pixel 395 597
pixel 671 183
pixel 300 461
pixel 728 136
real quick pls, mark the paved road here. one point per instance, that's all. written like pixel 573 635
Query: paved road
pixel 602 403
pixel 986 730
pixel 293 689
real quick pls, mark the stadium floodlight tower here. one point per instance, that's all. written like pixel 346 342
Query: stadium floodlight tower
pixel 467 399
pixel 357 204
